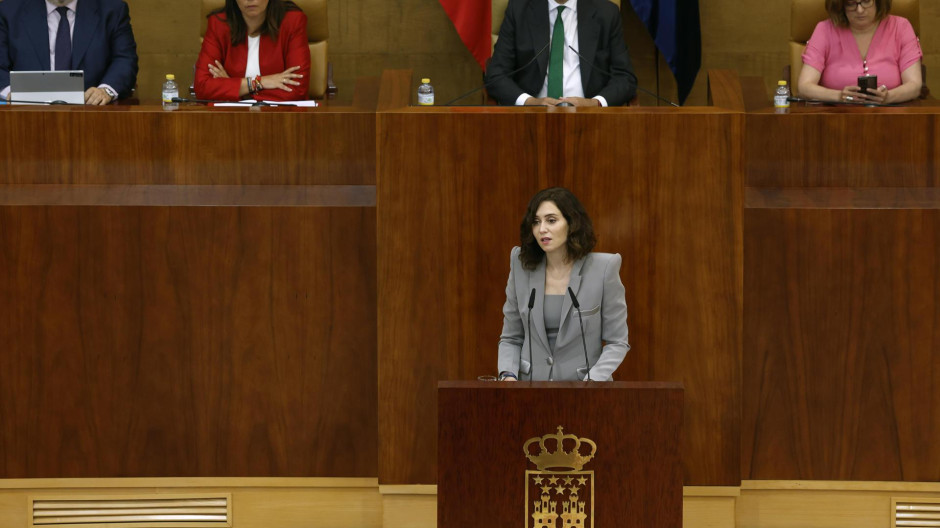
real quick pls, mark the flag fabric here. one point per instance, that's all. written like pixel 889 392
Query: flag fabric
pixel 472 20
pixel 676 30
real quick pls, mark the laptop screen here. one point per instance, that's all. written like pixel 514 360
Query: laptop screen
pixel 67 86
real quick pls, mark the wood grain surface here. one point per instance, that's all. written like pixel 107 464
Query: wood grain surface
pixel 190 195
pixel 724 90
pixel 637 480
pixel 193 145
pixel 187 341
pixel 840 340
pixel 664 191
pixel 844 147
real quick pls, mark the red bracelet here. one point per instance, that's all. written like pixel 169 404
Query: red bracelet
pixel 258 85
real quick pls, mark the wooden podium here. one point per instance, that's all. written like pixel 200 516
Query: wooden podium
pixel 486 430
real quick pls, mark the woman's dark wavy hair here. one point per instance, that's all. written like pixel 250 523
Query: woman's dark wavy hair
pixel 273 16
pixel 581 239
pixel 836 9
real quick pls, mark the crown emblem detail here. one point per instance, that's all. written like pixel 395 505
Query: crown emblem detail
pixel 552 453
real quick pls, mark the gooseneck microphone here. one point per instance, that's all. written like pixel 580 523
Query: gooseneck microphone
pixel 215 101
pixel 529 323
pixel 43 103
pixel 609 74
pixel 577 306
pixel 513 72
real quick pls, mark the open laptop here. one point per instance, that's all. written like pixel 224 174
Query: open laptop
pixel 66 86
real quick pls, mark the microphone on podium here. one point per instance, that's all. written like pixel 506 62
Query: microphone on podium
pixel 577 306
pixel 41 103
pixel 216 101
pixel 513 72
pixel 609 74
pixel 529 333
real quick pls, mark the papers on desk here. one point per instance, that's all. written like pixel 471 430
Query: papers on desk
pixel 249 102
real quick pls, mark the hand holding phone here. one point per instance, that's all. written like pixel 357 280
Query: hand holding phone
pixel 867 84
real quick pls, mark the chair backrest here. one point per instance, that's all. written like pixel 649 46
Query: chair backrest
pixel 317 35
pixel 498 11
pixel 805 14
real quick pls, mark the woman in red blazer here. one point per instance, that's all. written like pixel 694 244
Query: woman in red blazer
pixel 254 49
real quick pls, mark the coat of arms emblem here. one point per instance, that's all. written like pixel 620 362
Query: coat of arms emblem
pixel 559 494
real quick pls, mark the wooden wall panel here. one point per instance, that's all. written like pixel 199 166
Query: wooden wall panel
pixel 671 206
pixel 449 214
pixel 844 147
pixel 664 190
pixel 194 145
pixel 187 341
pixel 840 366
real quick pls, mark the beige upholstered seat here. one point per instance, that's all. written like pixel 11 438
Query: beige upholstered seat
pixel 317 34
pixel 498 8
pixel 805 14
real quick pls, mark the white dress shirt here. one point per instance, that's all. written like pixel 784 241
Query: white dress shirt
pixel 571 68
pixel 253 68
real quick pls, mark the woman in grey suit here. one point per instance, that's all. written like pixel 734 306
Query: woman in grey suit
pixel 555 255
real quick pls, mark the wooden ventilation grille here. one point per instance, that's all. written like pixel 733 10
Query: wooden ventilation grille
pixel 917 513
pixel 176 511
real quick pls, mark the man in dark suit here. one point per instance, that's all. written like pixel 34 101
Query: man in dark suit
pixel 90 35
pixel 593 67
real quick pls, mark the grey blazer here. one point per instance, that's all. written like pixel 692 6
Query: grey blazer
pixel 595 280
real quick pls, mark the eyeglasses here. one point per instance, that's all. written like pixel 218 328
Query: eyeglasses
pixel 851 5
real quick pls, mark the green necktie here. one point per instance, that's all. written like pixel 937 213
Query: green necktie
pixel 557 58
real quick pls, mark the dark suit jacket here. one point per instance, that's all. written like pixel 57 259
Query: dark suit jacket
pixel 290 49
pixel 525 32
pixel 103 43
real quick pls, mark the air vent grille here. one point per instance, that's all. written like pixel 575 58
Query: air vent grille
pixel 176 511
pixel 916 513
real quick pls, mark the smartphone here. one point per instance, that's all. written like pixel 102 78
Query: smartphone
pixel 867 83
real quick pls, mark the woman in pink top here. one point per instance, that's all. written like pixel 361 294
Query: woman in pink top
pixel 861 38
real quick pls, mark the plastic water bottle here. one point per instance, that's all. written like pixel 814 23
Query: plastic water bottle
pixel 170 90
pixel 782 96
pixel 426 93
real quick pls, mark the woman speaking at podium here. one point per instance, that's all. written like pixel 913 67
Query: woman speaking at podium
pixel 555 284
pixel 254 49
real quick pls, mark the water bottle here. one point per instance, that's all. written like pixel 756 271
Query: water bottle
pixel 782 96
pixel 426 93
pixel 170 90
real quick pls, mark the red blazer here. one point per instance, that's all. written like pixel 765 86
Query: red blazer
pixel 290 49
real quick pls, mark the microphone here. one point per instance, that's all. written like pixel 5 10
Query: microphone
pixel 513 72
pixel 217 101
pixel 577 306
pixel 44 103
pixel 840 103
pixel 609 74
pixel 529 323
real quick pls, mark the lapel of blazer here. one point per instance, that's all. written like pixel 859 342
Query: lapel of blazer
pixel 574 282
pixel 537 281
pixel 37 20
pixel 588 32
pixel 87 18
pixel 537 12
